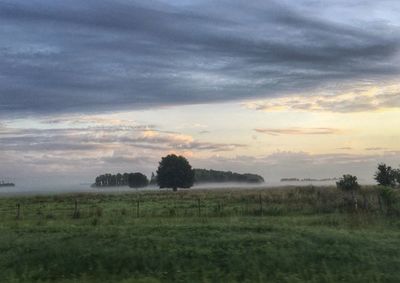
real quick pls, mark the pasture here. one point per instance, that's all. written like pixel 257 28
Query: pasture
pixel 293 234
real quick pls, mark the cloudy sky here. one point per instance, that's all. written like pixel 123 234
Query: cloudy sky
pixel 301 88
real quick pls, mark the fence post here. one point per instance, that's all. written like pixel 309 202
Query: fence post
pixel 198 205
pixel 138 207
pixel 175 209
pixel 261 205
pixel 76 210
pixel 18 211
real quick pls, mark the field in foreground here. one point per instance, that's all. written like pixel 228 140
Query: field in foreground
pixel 275 235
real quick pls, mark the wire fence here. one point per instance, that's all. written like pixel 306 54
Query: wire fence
pixel 188 204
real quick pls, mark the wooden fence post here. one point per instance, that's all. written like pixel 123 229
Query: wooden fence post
pixel 138 207
pixel 198 205
pixel 175 209
pixel 261 205
pixel 76 210
pixel 18 211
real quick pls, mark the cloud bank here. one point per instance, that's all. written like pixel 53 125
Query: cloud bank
pixel 298 131
pixel 101 55
pixel 85 146
pixel 365 98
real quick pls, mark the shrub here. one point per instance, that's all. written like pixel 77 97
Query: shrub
pixel 348 183
pixel 388 197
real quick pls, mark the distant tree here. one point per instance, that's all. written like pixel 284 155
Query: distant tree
pixel 397 176
pixel 349 184
pixel 153 179
pixel 174 172
pixel 97 181
pixel 125 177
pixel 113 180
pixel 119 179
pixel 110 180
pixel 214 176
pixel 137 180
pixel 385 175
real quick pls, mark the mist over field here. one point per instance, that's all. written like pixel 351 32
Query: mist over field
pixel 273 169
pixel 45 189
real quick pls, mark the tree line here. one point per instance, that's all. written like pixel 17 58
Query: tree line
pixel 110 180
pixel 174 172
pixel 215 176
pixel 133 180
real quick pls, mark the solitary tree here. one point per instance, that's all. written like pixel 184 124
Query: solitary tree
pixel 348 183
pixel 385 176
pixel 137 180
pixel 174 172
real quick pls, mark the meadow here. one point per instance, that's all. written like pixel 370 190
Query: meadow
pixel 293 234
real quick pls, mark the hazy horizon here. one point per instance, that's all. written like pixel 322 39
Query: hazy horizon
pixel 305 89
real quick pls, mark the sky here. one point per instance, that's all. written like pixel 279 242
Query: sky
pixel 300 88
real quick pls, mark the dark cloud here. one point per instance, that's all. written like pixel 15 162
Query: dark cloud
pixel 106 55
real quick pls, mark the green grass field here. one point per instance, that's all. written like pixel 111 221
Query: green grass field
pixel 266 235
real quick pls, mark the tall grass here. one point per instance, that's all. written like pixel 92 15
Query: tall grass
pixel 305 234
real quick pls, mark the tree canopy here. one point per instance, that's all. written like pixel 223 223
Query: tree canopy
pixel 137 180
pixel 214 176
pixel 134 180
pixel 110 180
pixel 386 175
pixel 348 183
pixel 175 172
